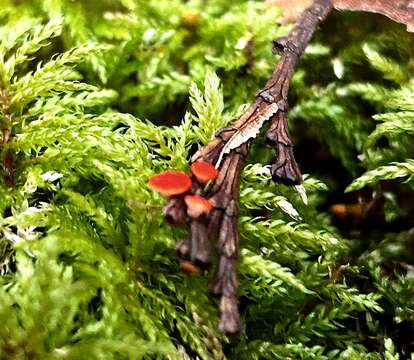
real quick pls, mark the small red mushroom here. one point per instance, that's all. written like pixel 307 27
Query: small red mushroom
pixel 197 205
pixel 188 267
pixel 204 171
pixel 170 183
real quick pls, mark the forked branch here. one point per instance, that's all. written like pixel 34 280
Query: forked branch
pixel 228 152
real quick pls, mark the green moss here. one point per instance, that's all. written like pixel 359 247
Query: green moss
pixel 87 262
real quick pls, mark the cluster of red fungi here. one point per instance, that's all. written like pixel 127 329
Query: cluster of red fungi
pixel 177 184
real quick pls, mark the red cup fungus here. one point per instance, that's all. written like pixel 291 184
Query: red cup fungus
pixel 204 171
pixel 170 183
pixel 188 267
pixel 197 205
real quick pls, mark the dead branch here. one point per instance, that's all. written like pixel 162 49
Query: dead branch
pixel 228 152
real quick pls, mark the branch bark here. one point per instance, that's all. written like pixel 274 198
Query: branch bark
pixel 228 152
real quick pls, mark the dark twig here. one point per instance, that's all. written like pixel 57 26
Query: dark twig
pixel 229 150
pixel 285 169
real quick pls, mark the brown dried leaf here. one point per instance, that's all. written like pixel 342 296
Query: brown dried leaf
pixel 401 11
